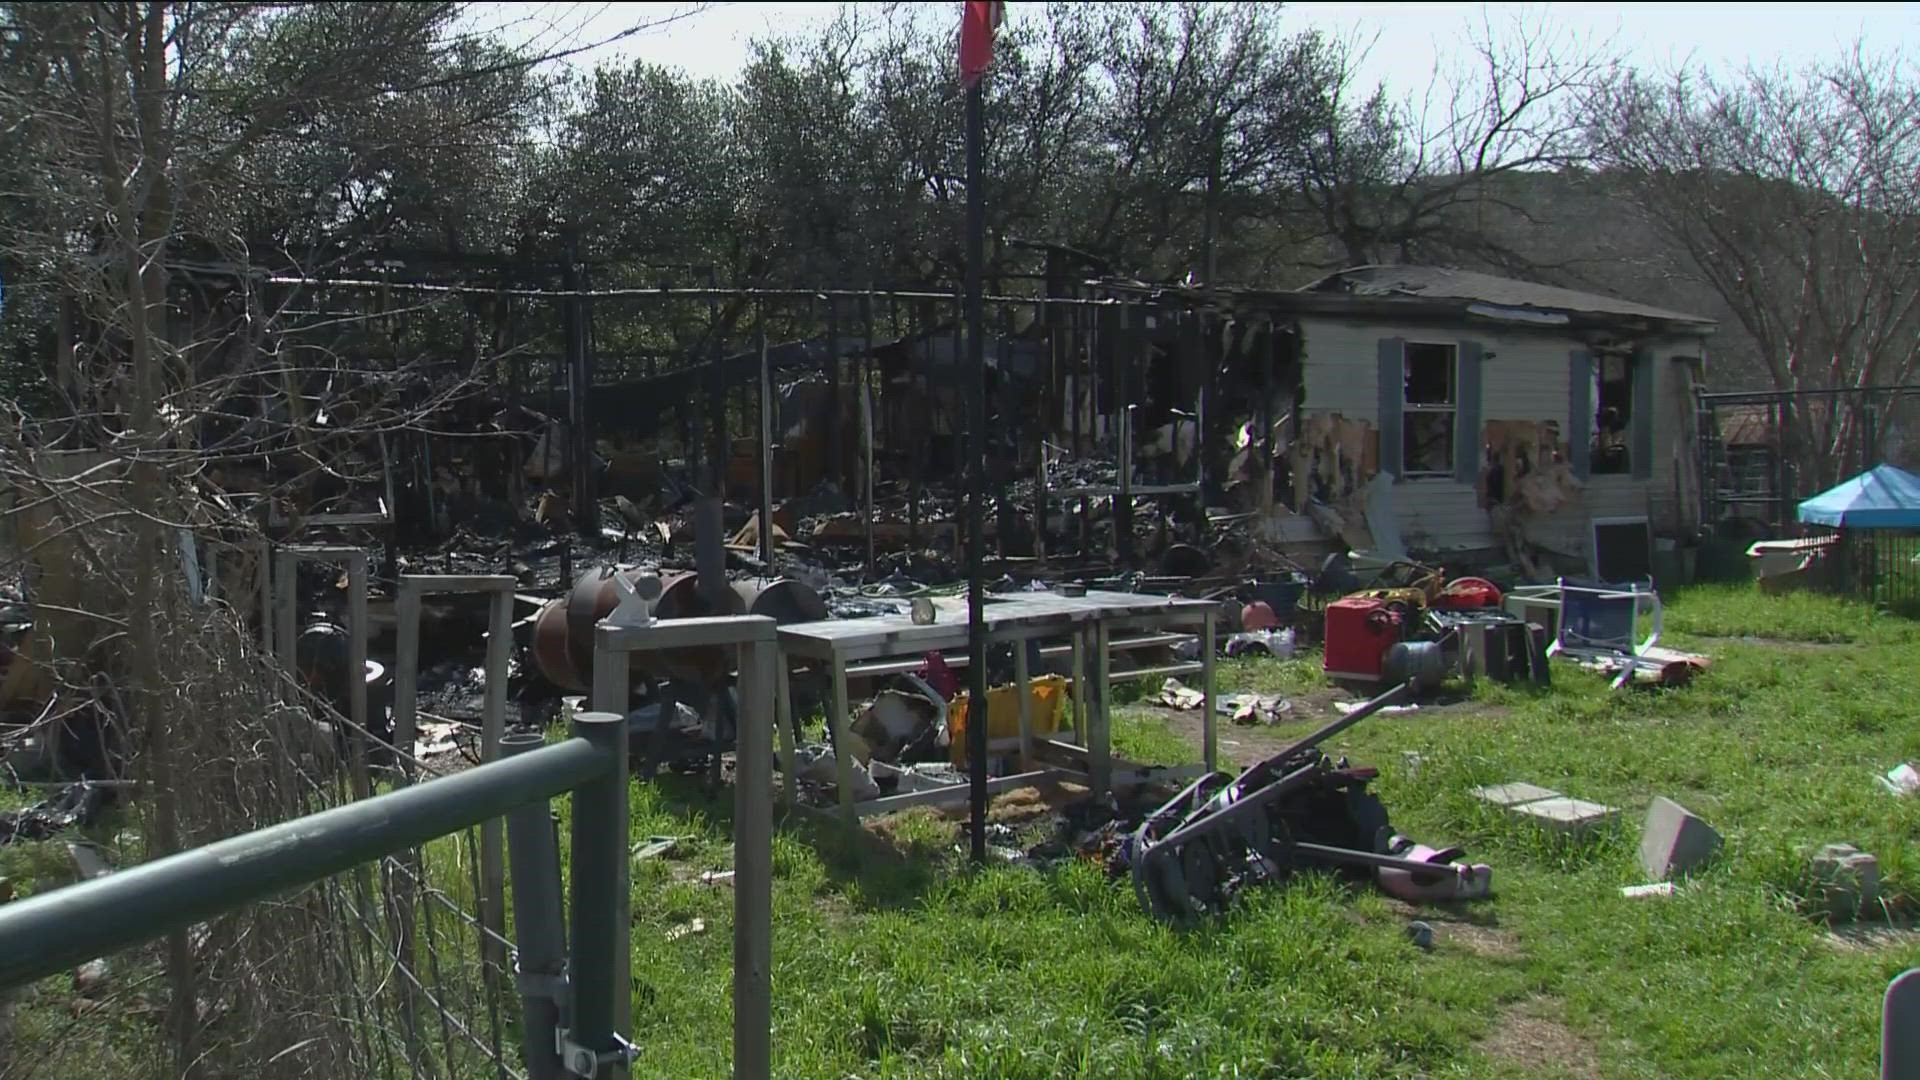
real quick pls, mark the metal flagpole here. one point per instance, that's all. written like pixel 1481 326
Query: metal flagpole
pixel 976 483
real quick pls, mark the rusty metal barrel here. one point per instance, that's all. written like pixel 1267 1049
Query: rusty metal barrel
pixel 563 630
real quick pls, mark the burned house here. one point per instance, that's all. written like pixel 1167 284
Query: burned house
pixel 1468 417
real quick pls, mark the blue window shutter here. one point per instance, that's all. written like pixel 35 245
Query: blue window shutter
pixel 1467 444
pixel 1580 412
pixel 1642 451
pixel 1393 391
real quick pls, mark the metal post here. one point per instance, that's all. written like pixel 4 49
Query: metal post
pixel 1080 686
pixel 1023 683
pixel 612 694
pixel 288 587
pixel 1123 504
pixel 1210 720
pixel 837 728
pixel 1099 730
pixel 766 456
pixel 493 726
pixel 866 421
pixel 783 724
pixel 753 863
pixel 975 384
pixel 600 898
pixel 836 445
pixel 357 670
pixel 539 923
pixel 709 541
pixel 263 565
pixel 406 675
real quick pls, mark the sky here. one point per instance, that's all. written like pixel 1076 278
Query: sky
pixel 1408 39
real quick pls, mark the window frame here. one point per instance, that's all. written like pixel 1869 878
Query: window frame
pixel 1629 378
pixel 1451 409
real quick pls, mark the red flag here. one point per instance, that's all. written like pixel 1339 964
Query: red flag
pixel 977 26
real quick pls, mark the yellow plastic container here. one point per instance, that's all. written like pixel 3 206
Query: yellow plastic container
pixel 1049 696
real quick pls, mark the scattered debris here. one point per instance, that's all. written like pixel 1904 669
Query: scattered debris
pixel 1277 644
pixel 1846 880
pixel 657 847
pixel 1194 854
pixel 1902 779
pixel 88 862
pixel 687 929
pixel 898 723
pixel 435 737
pixel 1252 708
pixel 91 977
pixel 1348 708
pixel 1177 695
pixel 814 764
pixel 1674 840
pixel 1639 892
pixel 1421 934
pixel 717 877
pixel 74 806
pixel 1459 882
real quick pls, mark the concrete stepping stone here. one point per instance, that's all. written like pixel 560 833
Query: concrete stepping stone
pixel 1547 807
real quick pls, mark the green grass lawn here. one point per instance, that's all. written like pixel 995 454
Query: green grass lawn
pixel 893 958
pixel 913 965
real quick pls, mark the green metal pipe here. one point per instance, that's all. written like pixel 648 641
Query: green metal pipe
pixel 598 914
pixel 55 931
pixel 539 920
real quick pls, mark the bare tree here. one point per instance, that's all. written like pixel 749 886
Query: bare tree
pixel 1797 196
pixel 149 140
pixel 1385 179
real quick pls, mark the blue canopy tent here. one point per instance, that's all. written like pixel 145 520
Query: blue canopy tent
pixel 1876 520
pixel 1883 497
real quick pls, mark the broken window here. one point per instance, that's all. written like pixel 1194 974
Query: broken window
pixel 1612 415
pixel 1428 410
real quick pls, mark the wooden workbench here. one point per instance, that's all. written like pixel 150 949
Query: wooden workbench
pixel 1087 620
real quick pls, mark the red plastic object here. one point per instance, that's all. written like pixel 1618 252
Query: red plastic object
pixel 1359 632
pixel 1468 593
pixel 935 673
pixel 1258 616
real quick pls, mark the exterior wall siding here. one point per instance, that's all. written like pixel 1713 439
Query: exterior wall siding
pixel 1526 377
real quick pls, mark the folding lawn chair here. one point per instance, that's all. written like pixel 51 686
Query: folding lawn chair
pixel 1598 620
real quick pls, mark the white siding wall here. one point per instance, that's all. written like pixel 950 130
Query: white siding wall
pixel 1525 377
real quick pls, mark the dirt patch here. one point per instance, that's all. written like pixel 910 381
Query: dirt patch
pixel 1242 745
pixel 1785 644
pixel 1474 929
pixel 1524 1037
pixel 1872 937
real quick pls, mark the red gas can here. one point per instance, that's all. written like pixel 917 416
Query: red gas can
pixel 1359 632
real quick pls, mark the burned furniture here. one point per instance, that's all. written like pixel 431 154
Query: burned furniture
pixel 877 646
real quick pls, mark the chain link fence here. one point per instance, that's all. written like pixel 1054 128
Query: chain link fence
pixel 383 971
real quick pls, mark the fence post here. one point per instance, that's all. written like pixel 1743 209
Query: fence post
pixel 539 924
pixel 493 909
pixel 753 862
pixel 601 896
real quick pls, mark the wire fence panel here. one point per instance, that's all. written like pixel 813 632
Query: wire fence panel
pixel 377 972
pixel 382 971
